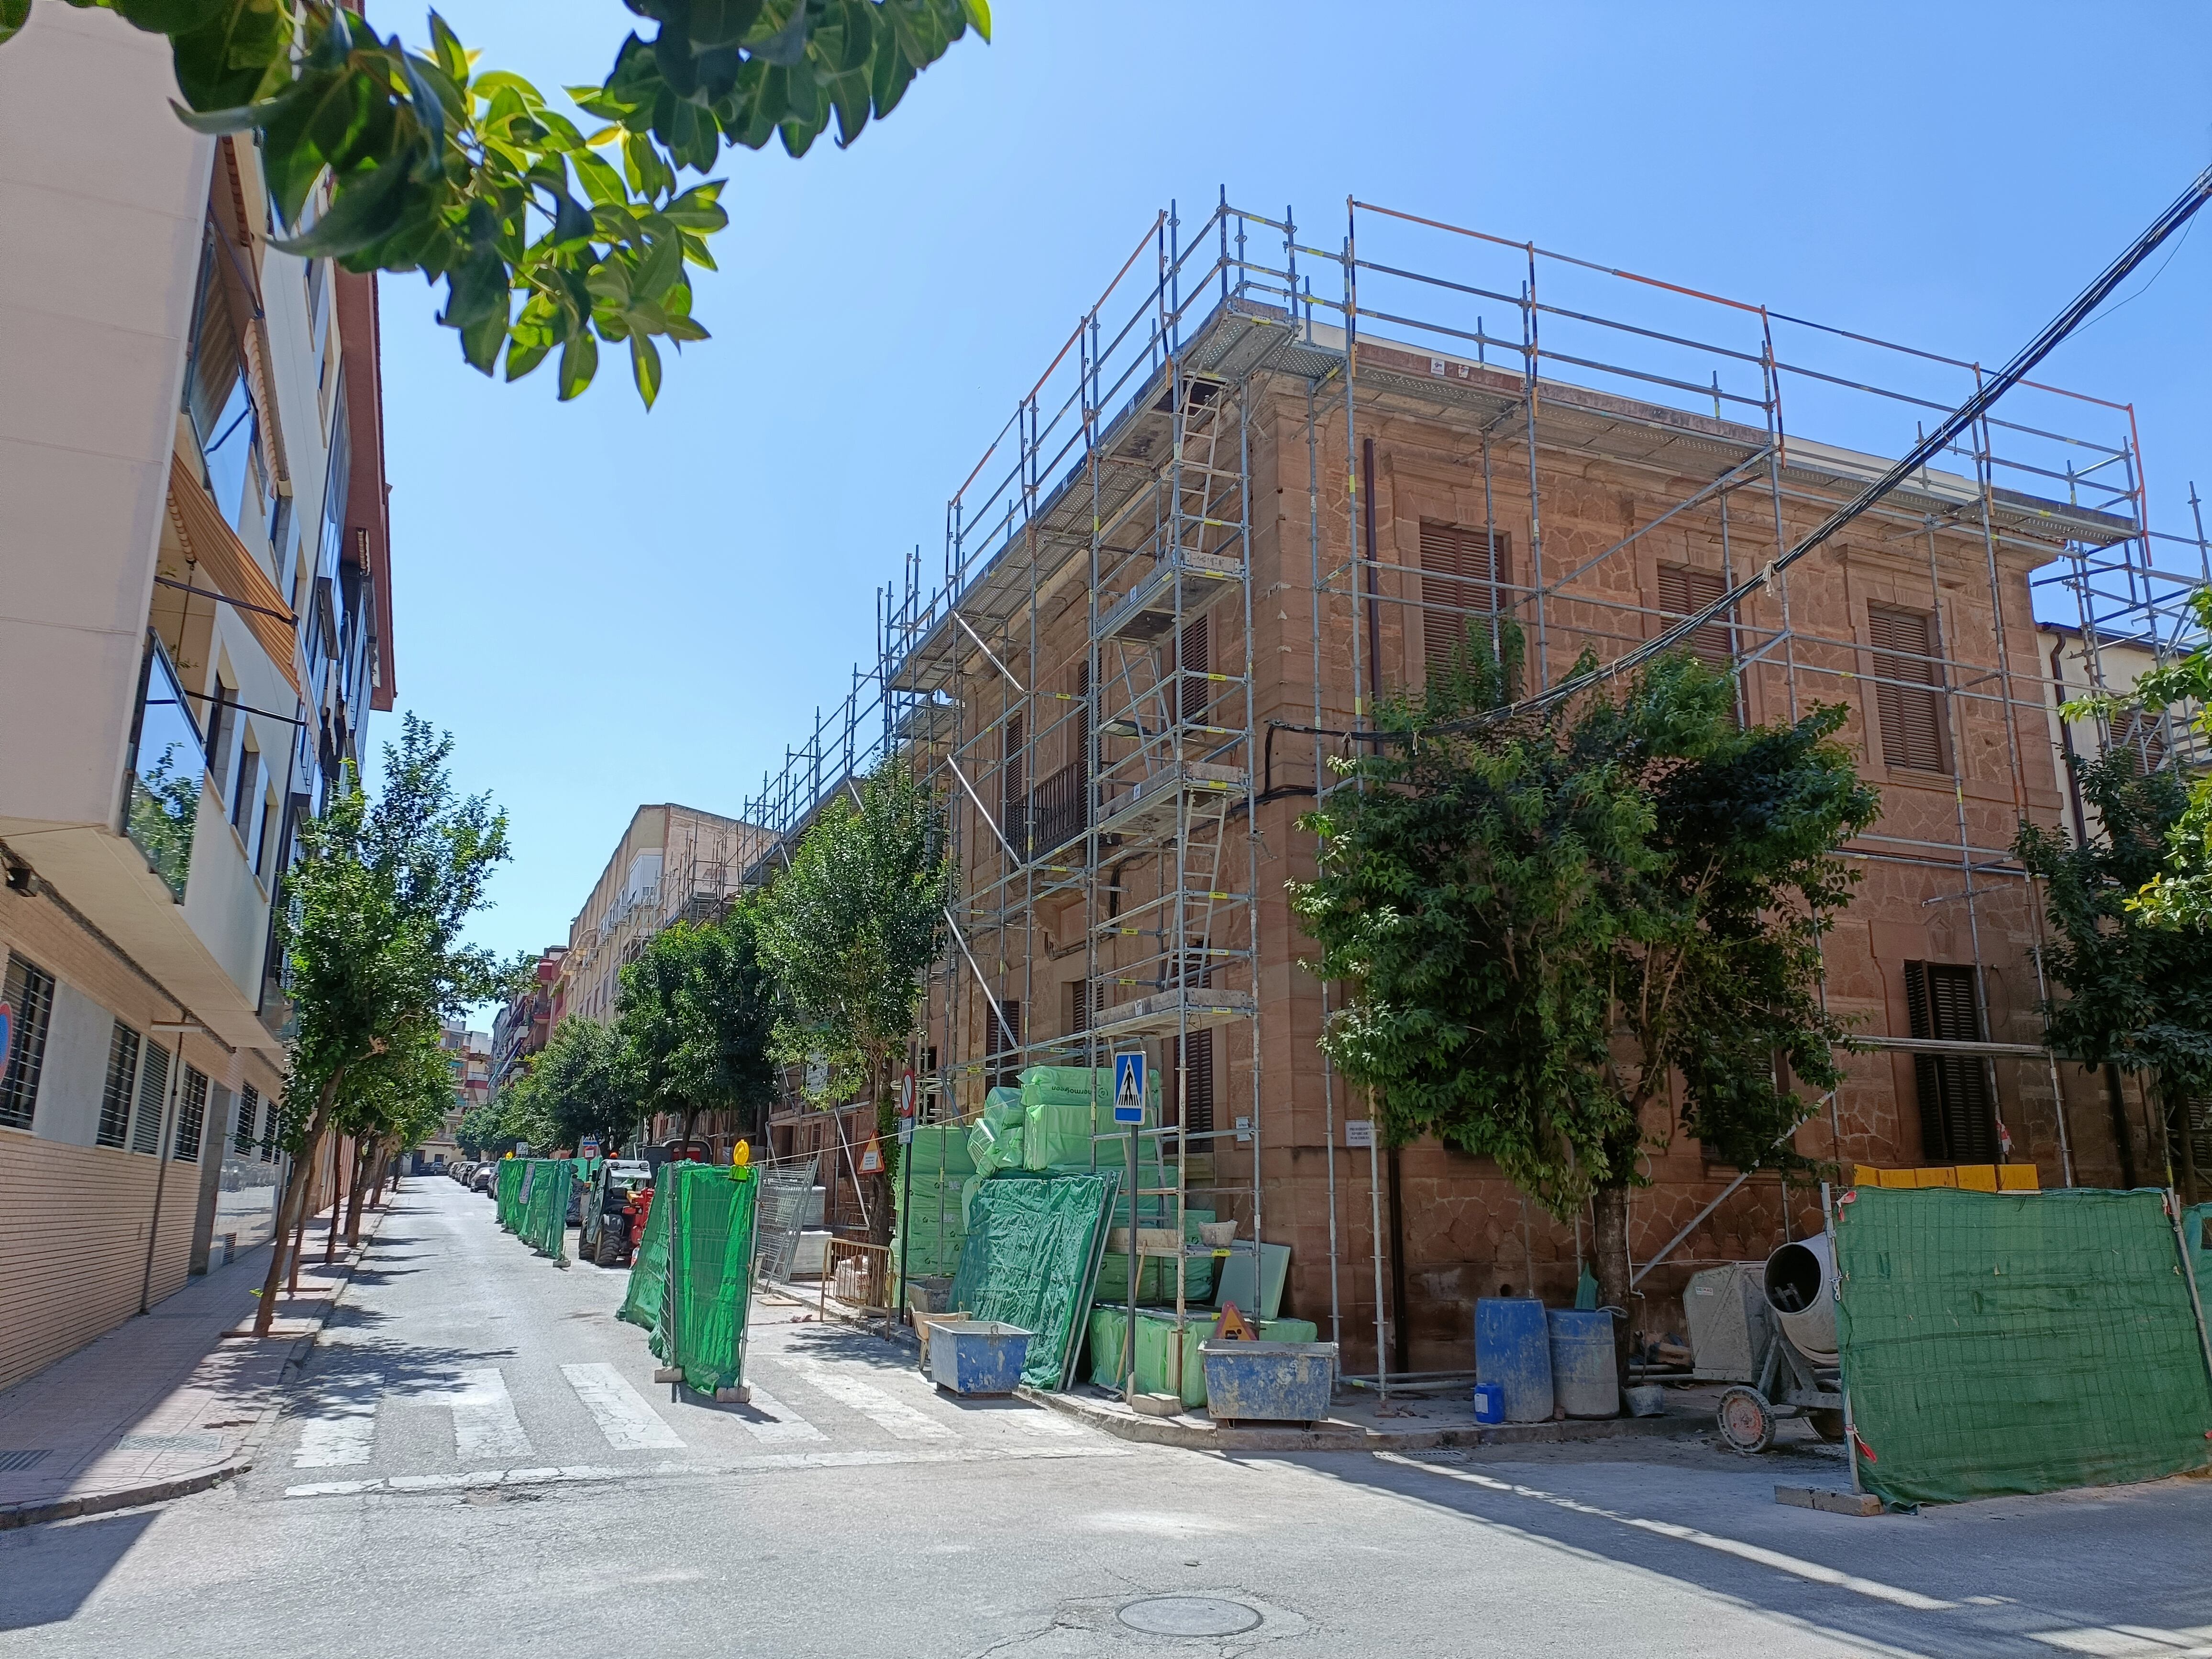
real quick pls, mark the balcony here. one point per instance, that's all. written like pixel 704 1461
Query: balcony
pixel 168 768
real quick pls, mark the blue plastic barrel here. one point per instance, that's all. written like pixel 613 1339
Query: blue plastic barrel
pixel 1513 1349
pixel 1582 1374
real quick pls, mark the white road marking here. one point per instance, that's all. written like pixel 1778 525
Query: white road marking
pixel 485 1427
pixel 1040 1419
pixel 893 1416
pixel 1813 1571
pixel 776 1422
pixel 765 1462
pixel 343 1428
pixel 620 1412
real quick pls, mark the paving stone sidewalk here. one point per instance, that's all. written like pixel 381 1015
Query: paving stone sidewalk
pixel 164 1404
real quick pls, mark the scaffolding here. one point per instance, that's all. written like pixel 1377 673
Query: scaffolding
pixel 1098 680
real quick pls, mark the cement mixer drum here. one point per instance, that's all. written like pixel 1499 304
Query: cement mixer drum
pixel 1801 1288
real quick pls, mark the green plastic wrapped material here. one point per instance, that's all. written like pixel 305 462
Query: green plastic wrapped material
pixel 1158 1370
pixel 1289 1330
pixel 940 1149
pixel 1030 1259
pixel 1003 1108
pixel 707 1239
pixel 2002 1343
pixel 540 1204
pixel 2197 1230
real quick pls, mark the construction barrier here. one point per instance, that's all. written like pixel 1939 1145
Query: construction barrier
pixel 1999 1343
pixel 541 1208
pixel 692 1282
pixel 507 1190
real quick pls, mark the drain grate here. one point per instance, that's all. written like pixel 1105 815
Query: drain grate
pixel 12 1461
pixel 170 1443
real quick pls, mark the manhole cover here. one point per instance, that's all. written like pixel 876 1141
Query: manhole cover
pixel 1189 1615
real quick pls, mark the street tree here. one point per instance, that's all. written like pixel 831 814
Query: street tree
pixel 580 1086
pixel 1546 919
pixel 470 176
pixel 696 1014
pixel 2133 964
pixel 849 929
pixel 377 899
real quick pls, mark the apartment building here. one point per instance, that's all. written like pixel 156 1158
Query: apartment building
pixel 470 1054
pixel 520 1027
pixel 193 542
pixel 1257 491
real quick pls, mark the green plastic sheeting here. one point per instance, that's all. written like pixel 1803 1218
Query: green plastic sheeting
pixel 692 1285
pixel 648 1271
pixel 540 1204
pixel 1030 1259
pixel 2196 1228
pixel 506 1189
pixel 929 1191
pixel 1998 1343
pixel 1064 1108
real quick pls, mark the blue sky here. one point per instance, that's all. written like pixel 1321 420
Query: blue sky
pixel 608 607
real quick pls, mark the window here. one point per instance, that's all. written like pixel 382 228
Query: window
pixel 249 1110
pixel 115 1097
pixel 1083 998
pixel 1912 717
pixel 1460 572
pixel 1013 785
pixel 1683 591
pixel 1196 1064
pixel 30 993
pixel 263 846
pixel 192 1116
pixel 1000 1061
pixel 220 403
pixel 245 791
pixel 153 1101
pixel 1958 1114
pixel 222 729
pixel 1191 691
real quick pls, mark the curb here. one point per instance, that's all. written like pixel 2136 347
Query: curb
pixel 13 1516
pixel 1339 1435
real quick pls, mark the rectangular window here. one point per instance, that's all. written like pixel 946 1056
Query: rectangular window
pixel 1461 570
pixel 1958 1114
pixel 1000 1062
pixel 30 994
pixel 1192 690
pixel 246 792
pixel 1196 1064
pixel 1083 997
pixel 249 1110
pixel 153 1102
pixel 1013 786
pixel 1909 702
pixel 115 1097
pixel 1684 591
pixel 192 1116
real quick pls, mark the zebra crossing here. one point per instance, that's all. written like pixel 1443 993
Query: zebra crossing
pixel 821 1411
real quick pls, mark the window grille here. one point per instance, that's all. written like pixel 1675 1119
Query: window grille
pixel 115 1097
pixel 192 1116
pixel 30 992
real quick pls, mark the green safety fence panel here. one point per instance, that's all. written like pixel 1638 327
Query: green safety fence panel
pixel 708 1233
pixel 541 1215
pixel 1999 1343
pixel 1031 1258
pixel 506 1189
pixel 648 1270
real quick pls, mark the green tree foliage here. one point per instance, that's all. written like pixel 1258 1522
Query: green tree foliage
pixel 2137 979
pixel 848 931
pixel 1545 918
pixel 580 1084
pixel 696 1014
pixel 471 178
pixel 378 899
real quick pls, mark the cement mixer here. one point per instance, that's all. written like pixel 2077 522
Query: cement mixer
pixel 1797 1374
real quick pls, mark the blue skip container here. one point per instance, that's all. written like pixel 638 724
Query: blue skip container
pixel 976 1356
pixel 1582 1374
pixel 1268 1382
pixel 1513 1349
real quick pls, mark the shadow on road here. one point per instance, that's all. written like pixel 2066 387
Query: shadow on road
pixel 48 1573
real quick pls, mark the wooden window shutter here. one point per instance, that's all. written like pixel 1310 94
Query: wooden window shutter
pixel 1912 718
pixel 1193 652
pixel 1683 590
pixel 1013 785
pixel 1460 573
pixel 1958 1117
pixel 1195 1062
pixel 1001 1063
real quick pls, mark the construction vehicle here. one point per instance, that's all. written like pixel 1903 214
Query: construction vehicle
pixel 614 1210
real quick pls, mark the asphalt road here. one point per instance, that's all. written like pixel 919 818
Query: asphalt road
pixel 477 1454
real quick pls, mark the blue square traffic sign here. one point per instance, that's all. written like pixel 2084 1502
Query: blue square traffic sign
pixel 1129 1086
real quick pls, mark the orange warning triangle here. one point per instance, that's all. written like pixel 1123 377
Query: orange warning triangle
pixel 871 1161
pixel 1231 1326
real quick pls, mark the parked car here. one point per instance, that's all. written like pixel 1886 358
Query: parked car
pixel 481 1181
pixel 463 1170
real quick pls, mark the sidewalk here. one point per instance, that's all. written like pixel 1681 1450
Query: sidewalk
pixel 163 1404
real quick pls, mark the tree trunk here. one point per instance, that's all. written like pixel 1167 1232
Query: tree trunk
pixel 2121 1138
pixel 882 1213
pixel 363 1160
pixel 376 1193
pixel 292 1215
pixel 337 1192
pixel 1609 1244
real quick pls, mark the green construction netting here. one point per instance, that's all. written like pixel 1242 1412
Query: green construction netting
pixel 2017 1342
pixel 2196 1228
pixel 540 1204
pixel 1030 1258
pixel 648 1271
pixel 507 1186
pixel 707 1233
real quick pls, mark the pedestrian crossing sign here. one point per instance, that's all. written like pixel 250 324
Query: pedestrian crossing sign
pixel 1129 1086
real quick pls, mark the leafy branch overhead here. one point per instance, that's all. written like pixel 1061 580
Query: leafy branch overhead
pixel 548 239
